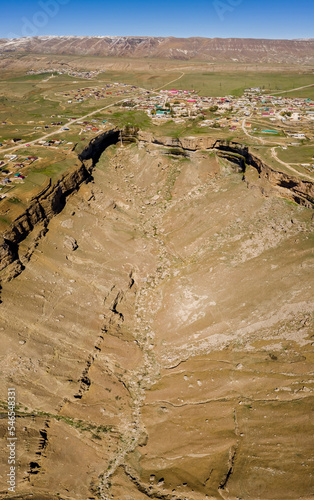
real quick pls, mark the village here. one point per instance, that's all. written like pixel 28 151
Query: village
pixel 212 112
pixel 252 113
pixel 15 167
pixel 110 89
pixel 228 111
pixel 65 71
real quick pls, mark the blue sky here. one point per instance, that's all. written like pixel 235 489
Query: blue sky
pixel 213 18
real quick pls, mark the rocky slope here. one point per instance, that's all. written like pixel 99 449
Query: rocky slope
pixel 205 49
pixel 165 344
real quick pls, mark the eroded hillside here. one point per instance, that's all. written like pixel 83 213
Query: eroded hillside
pixel 160 337
pixel 208 49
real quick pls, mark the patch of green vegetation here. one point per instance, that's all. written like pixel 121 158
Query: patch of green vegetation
pixel 129 118
pixel 76 423
pixel 176 152
pixel 4 220
pixel 14 200
pixel 55 169
pixel 177 130
pixel 234 155
pixel 290 202
pixel 29 78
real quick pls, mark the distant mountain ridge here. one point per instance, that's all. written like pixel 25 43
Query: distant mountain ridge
pixel 243 50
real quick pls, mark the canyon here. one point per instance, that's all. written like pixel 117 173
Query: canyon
pixel 157 324
pixel 52 199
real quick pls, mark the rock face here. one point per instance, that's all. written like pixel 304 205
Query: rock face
pixel 169 356
pixel 41 209
pixel 300 191
pixel 187 143
pixel 206 49
pixel 98 145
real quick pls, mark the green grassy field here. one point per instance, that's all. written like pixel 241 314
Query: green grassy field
pixel 297 154
pixel 217 84
pixel 149 80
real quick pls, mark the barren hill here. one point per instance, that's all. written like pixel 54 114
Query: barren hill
pixel 206 49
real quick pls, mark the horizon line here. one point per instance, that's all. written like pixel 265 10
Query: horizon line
pixel 158 36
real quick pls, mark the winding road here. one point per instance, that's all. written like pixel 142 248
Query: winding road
pixel 291 90
pixel 287 165
pixel 249 135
